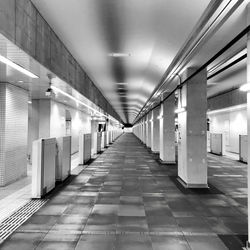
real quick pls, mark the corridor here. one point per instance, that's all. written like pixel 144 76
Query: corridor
pixel 125 199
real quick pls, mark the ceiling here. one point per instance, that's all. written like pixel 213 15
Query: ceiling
pixel 150 32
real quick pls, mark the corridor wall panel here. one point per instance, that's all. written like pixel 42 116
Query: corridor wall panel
pixel 243 148
pixel 13 133
pixel 26 26
pixel 48 119
pixel 231 124
pixel 216 144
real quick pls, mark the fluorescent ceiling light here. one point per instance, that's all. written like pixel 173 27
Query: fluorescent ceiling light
pixel 17 67
pixel 180 110
pixel 119 54
pixel 232 108
pixel 122 83
pixel 80 102
pixel 245 87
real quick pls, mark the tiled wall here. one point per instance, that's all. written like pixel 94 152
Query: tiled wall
pixel 2 132
pixel 13 130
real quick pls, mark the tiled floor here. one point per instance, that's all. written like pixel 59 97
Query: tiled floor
pixel 17 194
pixel 127 200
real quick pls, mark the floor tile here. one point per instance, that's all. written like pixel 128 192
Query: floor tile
pixel 125 199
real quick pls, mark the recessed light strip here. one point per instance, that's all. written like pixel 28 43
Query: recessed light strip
pixel 119 54
pixel 80 102
pixel 17 67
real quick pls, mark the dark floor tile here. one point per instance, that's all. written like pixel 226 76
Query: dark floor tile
pixel 193 225
pixel 105 209
pixel 132 200
pixel 205 243
pixel 173 242
pixel 133 242
pixel 96 242
pixel 23 241
pixel 51 209
pixel 162 224
pixel 132 224
pixel 98 222
pixel 60 236
pixel 131 210
pixel 53 245
pixel 234 242
pixel 78 209
pixel 42 223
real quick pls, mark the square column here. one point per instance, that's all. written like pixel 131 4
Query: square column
pixel 167 131
pixel 192 126
pixel 155 130
pixel 248 120
pixel 13 133
pixel 144 130
pixel 94 130
pixel 149 115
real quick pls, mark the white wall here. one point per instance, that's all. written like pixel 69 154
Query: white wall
pixel 50 121
pixel 128 130
pixel 231 124
pixel 80 122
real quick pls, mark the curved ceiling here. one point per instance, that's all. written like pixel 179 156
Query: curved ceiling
pixel 150 32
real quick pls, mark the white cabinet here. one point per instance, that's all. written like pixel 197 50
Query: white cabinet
pixel 63 163
pixel 43 166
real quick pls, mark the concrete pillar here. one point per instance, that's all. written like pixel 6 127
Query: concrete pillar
pixel 192 126
pixel 155 130
pixel 94 130
pixel 140 130
pixel 43 107
pixel 167 131
pixel 149 115
pixel 13 133
pixel 248 118
pixel 144 130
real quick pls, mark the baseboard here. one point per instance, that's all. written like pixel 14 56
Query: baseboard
pixel 190 185
pixel 167 162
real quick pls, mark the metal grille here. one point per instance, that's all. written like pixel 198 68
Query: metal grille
pixel 10 224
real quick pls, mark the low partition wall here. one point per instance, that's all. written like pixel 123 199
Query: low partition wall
pixel 216 143
pixel 243 148
pixel 103 143
pixel 63 163
pixel 84 148
pixel 99 142
pixel 110 136
pixel 94 144
pixel 43 166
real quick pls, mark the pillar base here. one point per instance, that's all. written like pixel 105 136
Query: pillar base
pixel 167 162
pixel 190 185
pixel 214 153
pixel 247 245
pixel 155 152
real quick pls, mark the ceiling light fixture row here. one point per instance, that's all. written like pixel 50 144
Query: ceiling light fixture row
pixel 19 68
pixel 119 54
pixel 216 19
pixel 80 102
